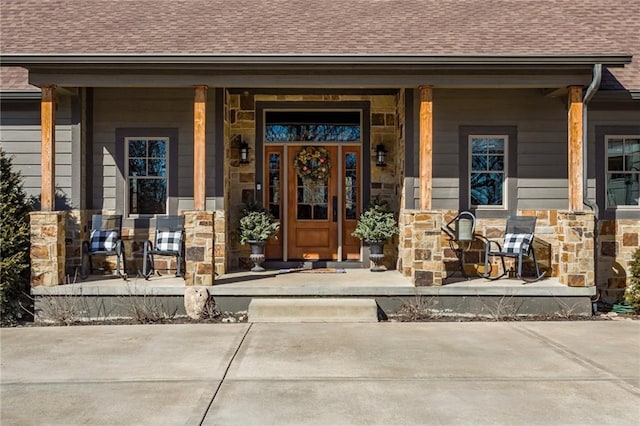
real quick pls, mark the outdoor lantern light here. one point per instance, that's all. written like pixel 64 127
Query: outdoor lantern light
pixel 244 152
pixel 380 155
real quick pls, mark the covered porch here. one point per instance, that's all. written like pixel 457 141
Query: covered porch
pixel 424 128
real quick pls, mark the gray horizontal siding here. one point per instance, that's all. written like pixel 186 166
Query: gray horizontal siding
pixel 120 108
pixel 542 131
pixel 20 136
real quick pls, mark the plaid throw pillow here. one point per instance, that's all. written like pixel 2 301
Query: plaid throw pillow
pixel 168 240
pixel 517 243
pixel 103 240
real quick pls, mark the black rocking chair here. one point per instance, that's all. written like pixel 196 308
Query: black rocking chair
pixel 168 241
pixel 105 240
pixel 518 243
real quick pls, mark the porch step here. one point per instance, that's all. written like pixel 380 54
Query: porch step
pixel 313 310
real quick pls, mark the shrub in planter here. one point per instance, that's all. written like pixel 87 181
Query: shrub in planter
pixel 375 226
pixel 377 223
pixel 632 292
pixel 14 243
pixel 257 226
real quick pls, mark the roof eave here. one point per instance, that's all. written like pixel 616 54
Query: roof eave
pixel 20 95
pixel 27 60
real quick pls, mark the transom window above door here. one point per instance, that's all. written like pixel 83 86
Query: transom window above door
pixel 313 126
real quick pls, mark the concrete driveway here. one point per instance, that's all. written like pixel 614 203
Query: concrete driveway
pixel 519 373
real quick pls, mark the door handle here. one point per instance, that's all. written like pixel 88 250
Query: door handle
pixel 334 201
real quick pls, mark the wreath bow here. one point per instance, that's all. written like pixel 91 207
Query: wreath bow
pixel 312 163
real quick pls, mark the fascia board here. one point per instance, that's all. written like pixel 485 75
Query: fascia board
pixel 27 60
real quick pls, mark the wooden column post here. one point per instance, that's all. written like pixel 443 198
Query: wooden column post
pixel 426 145
pixel 199 147
pixel 576 145
pixel 48 148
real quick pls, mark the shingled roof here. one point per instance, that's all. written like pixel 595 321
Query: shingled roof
pixel 354 27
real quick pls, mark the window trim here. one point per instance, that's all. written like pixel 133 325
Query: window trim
pixel 127 207
pixel 601 134
pixel 511 200
pixel 121 177
pixel 607 138
pixel 505 171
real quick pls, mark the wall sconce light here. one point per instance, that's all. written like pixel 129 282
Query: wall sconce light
pixel 244 152
pixel 381 153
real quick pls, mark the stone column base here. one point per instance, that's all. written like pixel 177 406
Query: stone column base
pixel 420 248
pixel 576 231
pixel 199 247
pixel 48 251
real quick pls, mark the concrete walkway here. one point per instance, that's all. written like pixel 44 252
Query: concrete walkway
pixel 519 373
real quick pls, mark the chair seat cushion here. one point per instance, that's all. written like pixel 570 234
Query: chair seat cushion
pixel 517 243
pixel 169 241
pixel 103 240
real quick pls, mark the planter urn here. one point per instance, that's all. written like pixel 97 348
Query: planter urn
pixel 376 255
pixel 257 255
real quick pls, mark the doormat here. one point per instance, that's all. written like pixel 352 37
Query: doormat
pixel 314 271
pixel 324 271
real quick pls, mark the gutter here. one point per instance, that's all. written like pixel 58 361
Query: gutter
pixel 20 95
pixel 18 59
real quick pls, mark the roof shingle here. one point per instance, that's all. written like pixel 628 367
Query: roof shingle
pixel 415 27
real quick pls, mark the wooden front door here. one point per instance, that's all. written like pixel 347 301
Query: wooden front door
pixel 317 217
pixel 312 210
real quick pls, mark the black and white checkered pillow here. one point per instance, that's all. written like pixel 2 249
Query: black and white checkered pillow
pixel 103 240
pixel 517 243
pixel 168 240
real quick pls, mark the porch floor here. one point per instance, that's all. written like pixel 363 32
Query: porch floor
pixel 352 282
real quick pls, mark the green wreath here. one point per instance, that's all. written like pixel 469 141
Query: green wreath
pixel 312 163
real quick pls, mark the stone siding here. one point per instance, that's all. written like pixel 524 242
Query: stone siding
pixel 617 242
pixel 199 254
pixel 576 232
pixel 78 227
pixel 48 251
pixel 76 231
pixel 564 247
pixel 420 248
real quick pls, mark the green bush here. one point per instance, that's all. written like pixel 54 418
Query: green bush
pixel 257 226
pixel 377 223
pixel 632 292
pixel 14 243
